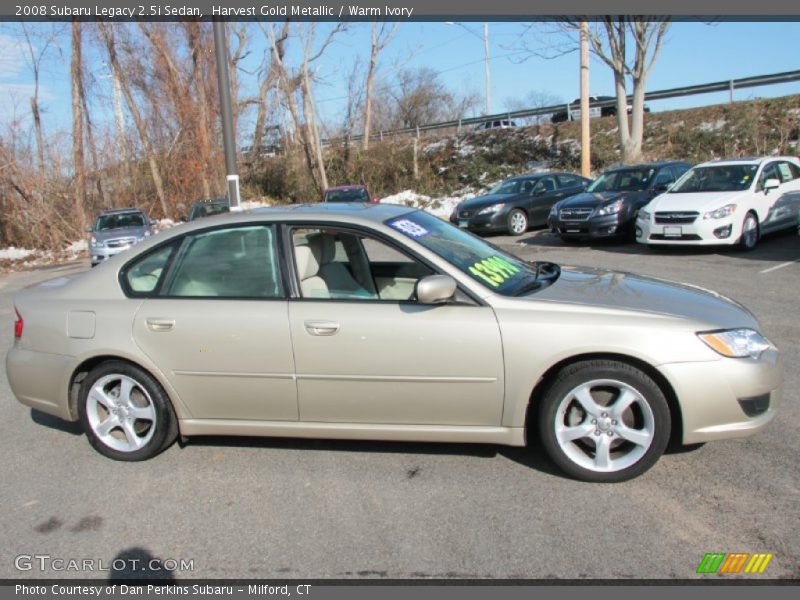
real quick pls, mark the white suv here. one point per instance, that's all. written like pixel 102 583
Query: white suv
pixel 724 202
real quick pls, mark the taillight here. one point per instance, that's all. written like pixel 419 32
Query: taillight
pixel 19 324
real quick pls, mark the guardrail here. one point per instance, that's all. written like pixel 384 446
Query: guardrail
pixel 706 88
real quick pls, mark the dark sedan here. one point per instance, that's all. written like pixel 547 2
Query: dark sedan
pixel 517 203
pixel 610 204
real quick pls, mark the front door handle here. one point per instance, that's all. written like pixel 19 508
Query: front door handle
pixel 160 324
pixel 321 327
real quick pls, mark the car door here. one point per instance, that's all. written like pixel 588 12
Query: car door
pixel 546 192
pixel 215 321
pixel 785 205
pixel 766 202
pixel 367 353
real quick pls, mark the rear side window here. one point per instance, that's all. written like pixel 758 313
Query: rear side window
pixel 568 181
pixel 143 276
pixel 239 262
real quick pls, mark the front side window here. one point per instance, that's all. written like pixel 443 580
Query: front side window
pixel 491 267
pixel 769 172
pixel 334 264
pixel 716 178
pixel 788 171
pixel 240 262
pixel 509 186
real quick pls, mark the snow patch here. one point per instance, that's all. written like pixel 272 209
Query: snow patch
pixel 711 125
pixel 14 253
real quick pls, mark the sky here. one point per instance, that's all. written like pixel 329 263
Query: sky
pixel 694 53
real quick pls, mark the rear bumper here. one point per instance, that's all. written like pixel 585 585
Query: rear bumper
pixel 716 397
pixel 39 380
pixel 100 254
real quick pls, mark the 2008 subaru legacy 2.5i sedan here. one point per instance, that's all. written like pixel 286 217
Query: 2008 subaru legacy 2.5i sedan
pixel 380 322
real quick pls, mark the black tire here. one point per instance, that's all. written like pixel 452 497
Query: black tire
pixel 155 432
pixel 749 242
pixel 517 222
pixel 647 419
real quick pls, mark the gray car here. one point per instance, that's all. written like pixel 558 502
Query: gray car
pixel 376 321
pixel 115 231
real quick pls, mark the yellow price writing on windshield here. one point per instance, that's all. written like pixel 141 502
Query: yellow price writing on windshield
pixel 494 270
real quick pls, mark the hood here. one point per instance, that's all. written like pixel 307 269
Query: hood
pixel 695 201
pixel 593 199
pixel 484 201
pixel 626 291
pixel 110 234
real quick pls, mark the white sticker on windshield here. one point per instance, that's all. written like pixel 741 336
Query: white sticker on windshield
pixel 410 228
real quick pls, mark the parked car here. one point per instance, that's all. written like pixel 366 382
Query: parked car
pixel 607 110
pixel 610 204
pixel 115 231
pixel 383 322
pixel 517 203
pixel 726 202
pixel 496 124
pixel 349 193
pixel 207 207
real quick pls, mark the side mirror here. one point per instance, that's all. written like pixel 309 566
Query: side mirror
pixel 184 218
pixel 435 289
pixel 539 191
pixel 89 229
pixel 660 188
pixel 153 222
pixel 771 184
pixel 375 200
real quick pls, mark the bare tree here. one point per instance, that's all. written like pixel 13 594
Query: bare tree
pixel 269 76
pixel 609 42
pixel 419 97
pixel 76 77
pixel 381 37
pixel 533 99
pixel 107 33
pixel 37 46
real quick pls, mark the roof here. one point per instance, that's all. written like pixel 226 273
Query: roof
pixel 222 200
pixel 119 211
pixel 353 186
pixel 748 160
pixel 650 165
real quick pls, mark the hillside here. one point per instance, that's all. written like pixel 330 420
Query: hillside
pixel 457 164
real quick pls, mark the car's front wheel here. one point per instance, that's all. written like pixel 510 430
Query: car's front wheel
pixel 749 237
pixel 604 421
pixel 125 413
pixel 517 222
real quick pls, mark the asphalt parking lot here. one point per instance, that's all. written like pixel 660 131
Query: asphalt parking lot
pixel 267 508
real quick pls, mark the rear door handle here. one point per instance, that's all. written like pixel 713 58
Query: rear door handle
pixel 321 327
pixel 160 324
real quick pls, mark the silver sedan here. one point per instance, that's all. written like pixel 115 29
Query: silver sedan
pixel 385 323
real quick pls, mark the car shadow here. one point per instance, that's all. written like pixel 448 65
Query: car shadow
pixel 532 457
pixel 779 247
pixel 41 418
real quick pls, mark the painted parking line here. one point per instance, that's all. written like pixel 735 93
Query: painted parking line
pixel 780 266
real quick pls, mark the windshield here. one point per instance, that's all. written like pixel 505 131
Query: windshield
pixel 500 272
pixel 717 178
pixel 208 209
pixel 107 222
pixel 509 186
pixel 356 195
pixel 624 180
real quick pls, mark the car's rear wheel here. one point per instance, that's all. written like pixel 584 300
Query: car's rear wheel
pixel 125 413
pixel 517 222
pixel 604 421
pixel 749 237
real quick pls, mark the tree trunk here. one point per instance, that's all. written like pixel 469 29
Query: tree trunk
pixel 373 61
pixel 622 115
pixel 37 124
pixel 108 38
pixel 195 40
pixel 76 77
pixel 634 153
pixel 312 130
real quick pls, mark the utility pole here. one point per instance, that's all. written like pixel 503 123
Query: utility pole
pixel 228 136
pixel 586 149
pixel 486 68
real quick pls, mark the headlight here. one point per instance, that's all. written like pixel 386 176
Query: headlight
pixel 644 215
pixel 737 343
pixel 720 213
pixel 611 209
pixel 146 234
pixel 554 211
pixel 93 241
pixel 490 209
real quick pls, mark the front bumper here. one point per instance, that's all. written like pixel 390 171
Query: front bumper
pixel 716 397
pixel 594 227
pixel 702 232
pixel 99 254
pixel 488 223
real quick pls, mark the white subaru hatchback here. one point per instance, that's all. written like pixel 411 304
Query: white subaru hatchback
pixel 726 202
